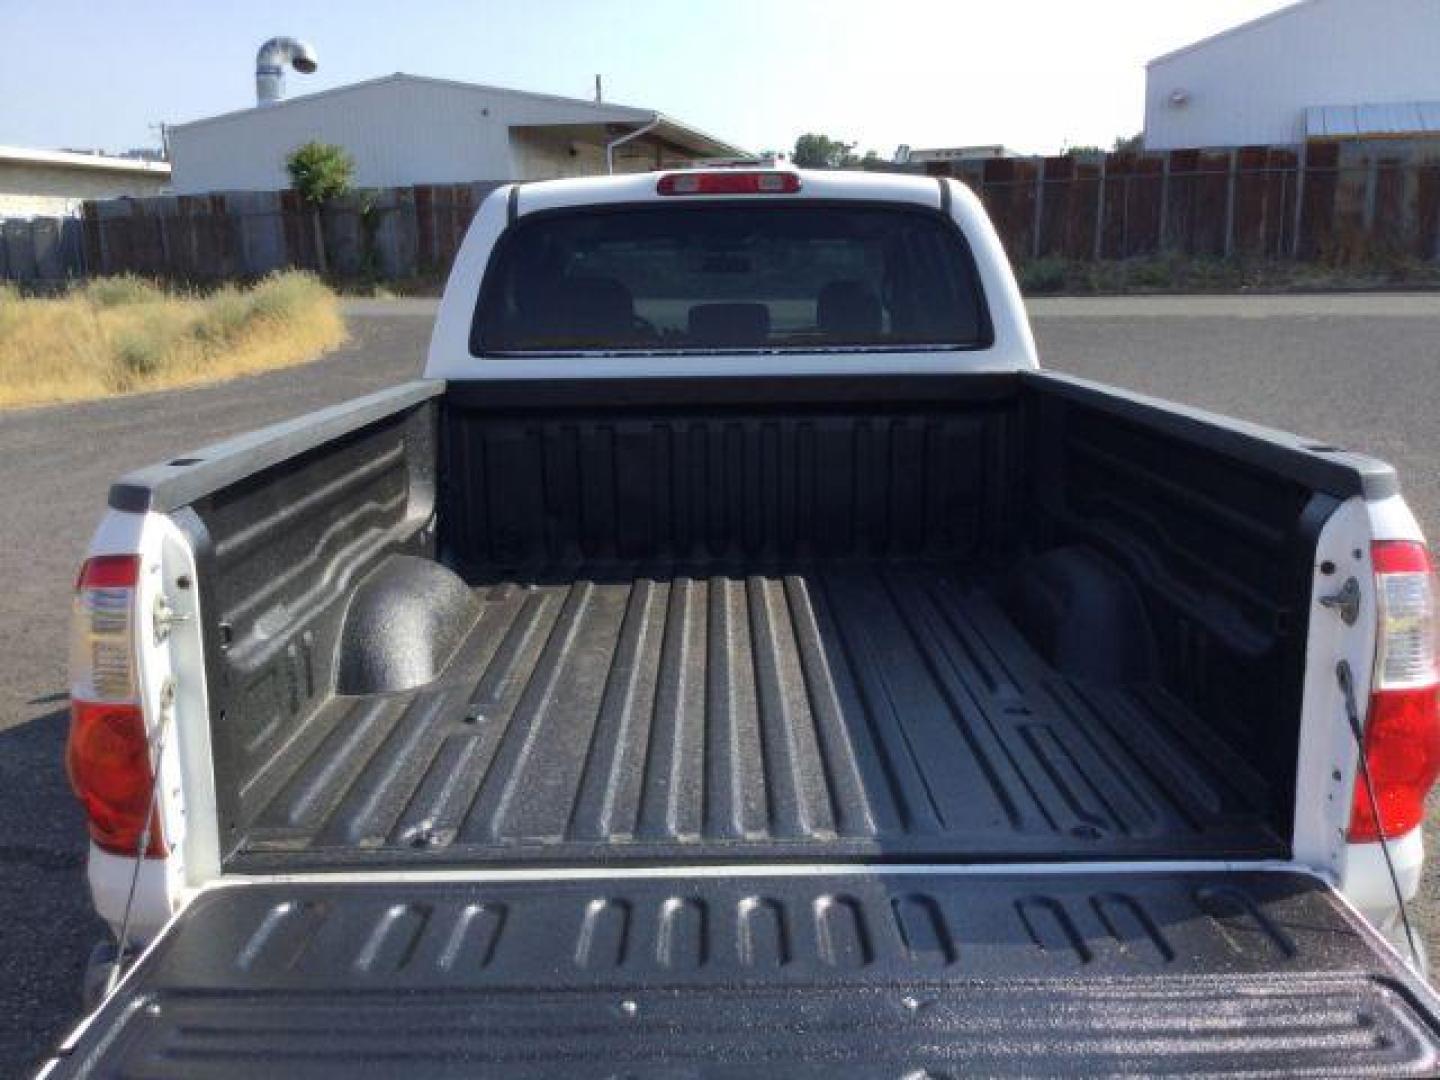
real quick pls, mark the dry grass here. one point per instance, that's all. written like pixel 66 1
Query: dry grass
pixel 124 334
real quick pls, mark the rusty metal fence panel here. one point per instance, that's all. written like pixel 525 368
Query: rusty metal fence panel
pixel 387 233
pixel 1327 201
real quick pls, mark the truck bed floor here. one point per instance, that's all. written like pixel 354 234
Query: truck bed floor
pixel 859 710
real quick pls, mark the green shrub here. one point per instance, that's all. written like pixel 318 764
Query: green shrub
pixel 142 348
pixel 285 295
pixel 225 316
pixel 1045 275
pixel 120 290
pixel 320 171
pixel 1153 273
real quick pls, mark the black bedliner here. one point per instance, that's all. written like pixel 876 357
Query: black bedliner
pixel 991 618
pixel 1075 974
pixel 863 710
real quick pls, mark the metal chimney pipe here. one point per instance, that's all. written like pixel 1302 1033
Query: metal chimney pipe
pixel 270 64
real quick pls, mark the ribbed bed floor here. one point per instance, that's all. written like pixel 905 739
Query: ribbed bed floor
pixel 862 711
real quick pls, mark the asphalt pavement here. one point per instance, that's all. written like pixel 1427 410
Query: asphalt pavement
pixel 1351 370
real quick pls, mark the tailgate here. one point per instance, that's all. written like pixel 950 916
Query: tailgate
pixel 854 974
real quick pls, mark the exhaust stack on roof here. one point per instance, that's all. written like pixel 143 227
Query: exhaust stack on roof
pixel 270 64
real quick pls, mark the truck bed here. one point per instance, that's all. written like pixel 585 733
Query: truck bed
pixel 865 709
pixel 679 622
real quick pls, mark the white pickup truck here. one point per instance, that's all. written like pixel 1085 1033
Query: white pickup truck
pixel 736 655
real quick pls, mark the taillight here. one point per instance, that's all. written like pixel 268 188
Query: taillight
pixel 702 182
pixel 108 760
pixel 108 754
pixel 1402 732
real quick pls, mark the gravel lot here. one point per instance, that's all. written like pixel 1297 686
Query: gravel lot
pixel 1362 371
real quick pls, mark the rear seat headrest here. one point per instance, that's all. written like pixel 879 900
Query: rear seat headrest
pixel 848 309
pixel 594 305
pixel 729 324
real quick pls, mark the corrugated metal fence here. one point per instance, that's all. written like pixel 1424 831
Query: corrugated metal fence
pixel 41 250
pixel 386 233
pixel 1339 202
pixel 1327 201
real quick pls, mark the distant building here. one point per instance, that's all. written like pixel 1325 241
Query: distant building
pixel 927 156
pixel 408 129
pixel 53 183
pixel 1317 69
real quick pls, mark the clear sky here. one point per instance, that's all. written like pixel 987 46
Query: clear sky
pixel 1032 74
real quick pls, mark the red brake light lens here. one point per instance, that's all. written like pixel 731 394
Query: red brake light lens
pixel 107 759
pixel 701 182
pixel 1402 729
pixel 109 572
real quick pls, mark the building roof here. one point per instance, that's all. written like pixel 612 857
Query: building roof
pixel 67 159
pixel 582 111
pixel 1393 119
pixel 1282 13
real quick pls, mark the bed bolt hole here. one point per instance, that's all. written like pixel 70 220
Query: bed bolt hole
pixel 422 836
pixel 1327 567
pixel 474 715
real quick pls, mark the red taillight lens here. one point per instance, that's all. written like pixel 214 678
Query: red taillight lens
pixel 109 572
pixel 1402 747
pixel 1402 729
pixel 108 760
pixel 728 183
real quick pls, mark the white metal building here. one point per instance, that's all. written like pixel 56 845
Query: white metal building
pixel 53 183
pixel 907 155
pixel 408 129
pixel 1259 83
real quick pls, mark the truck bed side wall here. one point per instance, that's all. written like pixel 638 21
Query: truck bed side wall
pixel 279 555
pixel 1220 548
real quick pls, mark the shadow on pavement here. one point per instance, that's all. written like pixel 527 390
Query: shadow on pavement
pixel 49 925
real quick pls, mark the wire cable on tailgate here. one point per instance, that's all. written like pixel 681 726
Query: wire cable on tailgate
pixel 1352 714
pixel 142 846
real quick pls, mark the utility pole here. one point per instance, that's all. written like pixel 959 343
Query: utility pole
pixel 599 95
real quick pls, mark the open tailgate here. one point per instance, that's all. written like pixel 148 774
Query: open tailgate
pixel 892 974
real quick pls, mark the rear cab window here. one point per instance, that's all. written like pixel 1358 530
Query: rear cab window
pixel 730 276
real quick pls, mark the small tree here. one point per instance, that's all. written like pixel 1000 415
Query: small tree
pixel 320 172
pixel 814 151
